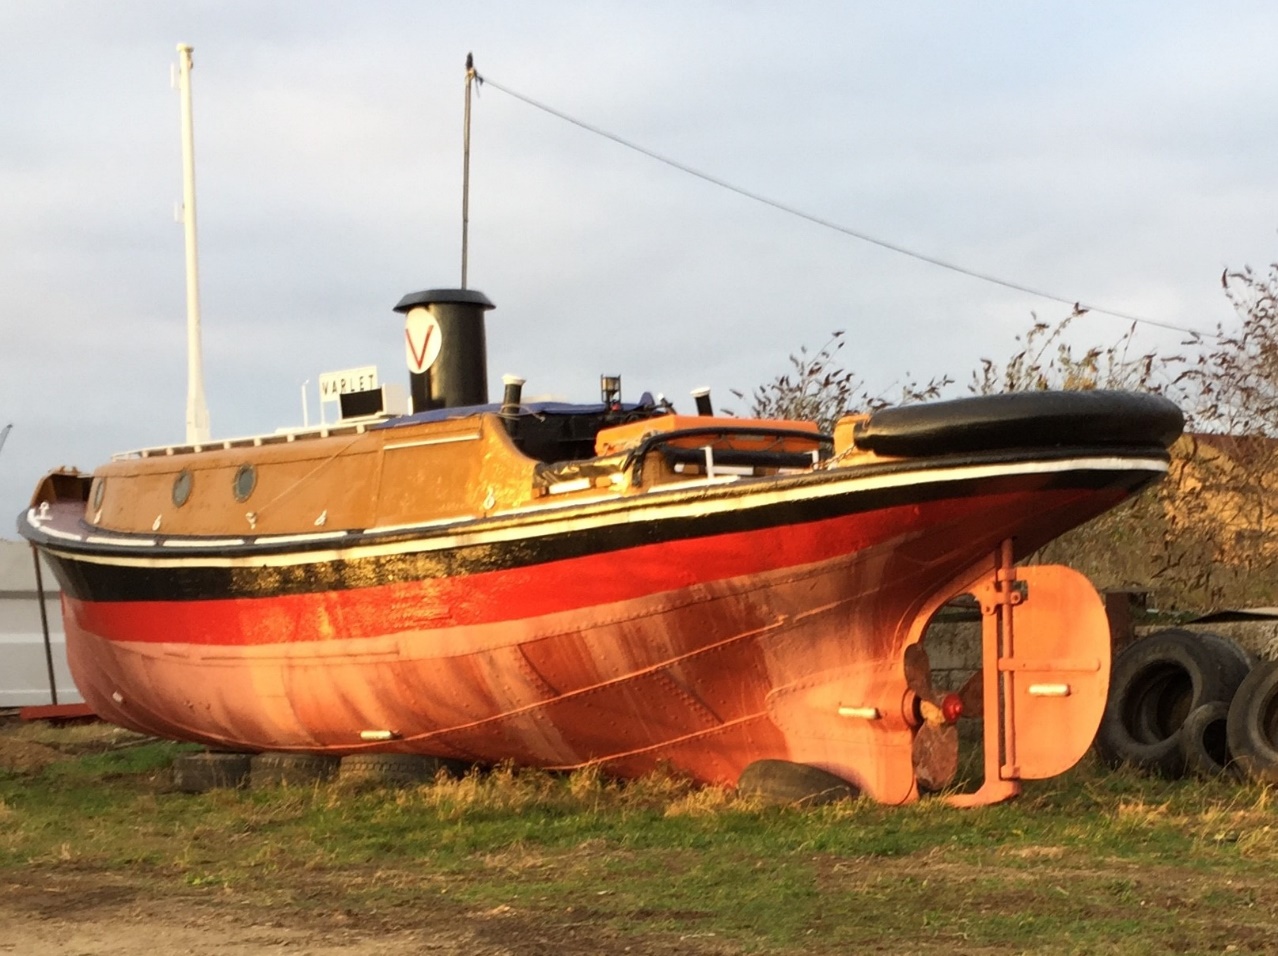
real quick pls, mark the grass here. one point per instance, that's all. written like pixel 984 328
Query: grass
pixel 1090 862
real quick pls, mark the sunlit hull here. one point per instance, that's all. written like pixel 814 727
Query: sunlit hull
pixel 695 628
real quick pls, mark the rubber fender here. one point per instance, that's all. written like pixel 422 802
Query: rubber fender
pixel 1034 419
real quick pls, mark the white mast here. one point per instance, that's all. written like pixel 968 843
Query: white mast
pixel 197 411
pixel 470 77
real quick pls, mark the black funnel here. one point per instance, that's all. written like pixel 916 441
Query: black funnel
pixel 459 376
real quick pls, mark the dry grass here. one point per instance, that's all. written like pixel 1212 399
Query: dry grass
pixel 1092 862
pixel 709 801
pixel 72 738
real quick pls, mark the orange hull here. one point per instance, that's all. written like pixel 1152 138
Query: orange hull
pixel 701 654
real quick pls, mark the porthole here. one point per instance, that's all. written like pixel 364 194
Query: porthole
pixel 99 489
pixel 245 482
pixel 182 488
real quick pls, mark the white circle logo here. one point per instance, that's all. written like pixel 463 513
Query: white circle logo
pixel 422 339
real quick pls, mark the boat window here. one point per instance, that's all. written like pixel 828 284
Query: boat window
pixel 99 489
pixel 245 482
pixel 182 488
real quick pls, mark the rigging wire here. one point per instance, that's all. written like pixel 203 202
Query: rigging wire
pixel 1078 306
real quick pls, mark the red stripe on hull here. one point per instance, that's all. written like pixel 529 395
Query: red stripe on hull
pixel 704 683
pixel 572 584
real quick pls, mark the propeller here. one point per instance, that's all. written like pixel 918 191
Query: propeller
pixel 936 743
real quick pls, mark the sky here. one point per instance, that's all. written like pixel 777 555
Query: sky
pixel 1119 155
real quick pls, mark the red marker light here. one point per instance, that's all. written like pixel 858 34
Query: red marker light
pixel 952 708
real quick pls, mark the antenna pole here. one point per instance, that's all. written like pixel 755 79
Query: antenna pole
pixel 197 411
pixel 470 76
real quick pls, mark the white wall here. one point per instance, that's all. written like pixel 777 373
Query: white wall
pixel 24 675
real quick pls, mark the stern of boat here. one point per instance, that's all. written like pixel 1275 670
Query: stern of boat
pixel 1039 691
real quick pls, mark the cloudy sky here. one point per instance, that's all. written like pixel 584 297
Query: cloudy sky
pixel 1117 154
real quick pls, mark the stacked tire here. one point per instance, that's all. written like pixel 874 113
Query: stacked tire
pixel 210 770
pixel 1252 724
pixel 280 769
pixel 1169 709
pixel 786 783
pixel 390 770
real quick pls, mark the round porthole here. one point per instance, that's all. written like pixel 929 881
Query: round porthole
pixel 182 488
pixel 99 489
pixel 245 482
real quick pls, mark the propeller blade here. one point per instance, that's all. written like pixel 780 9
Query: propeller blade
pixel 918 672
pixel 972 693
pixel 935 752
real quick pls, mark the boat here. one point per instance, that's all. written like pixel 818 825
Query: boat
pixel 612 585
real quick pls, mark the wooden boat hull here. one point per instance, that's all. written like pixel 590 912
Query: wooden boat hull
pixel 695 629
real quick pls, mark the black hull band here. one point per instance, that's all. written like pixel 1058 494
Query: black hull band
pixel 176 576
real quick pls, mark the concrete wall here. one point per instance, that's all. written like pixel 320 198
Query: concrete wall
pixel 953 645
pixel 24 674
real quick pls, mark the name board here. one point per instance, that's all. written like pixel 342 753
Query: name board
pixel 333 385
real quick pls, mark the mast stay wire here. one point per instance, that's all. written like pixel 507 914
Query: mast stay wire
pixel 1079 307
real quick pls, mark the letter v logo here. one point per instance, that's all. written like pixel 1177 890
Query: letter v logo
pixel 422 339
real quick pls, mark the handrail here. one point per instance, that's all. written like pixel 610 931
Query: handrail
pixel 635 457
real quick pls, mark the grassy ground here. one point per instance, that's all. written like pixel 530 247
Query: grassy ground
pixel 1090 862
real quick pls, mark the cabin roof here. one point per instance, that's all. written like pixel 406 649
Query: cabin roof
pixel 525 408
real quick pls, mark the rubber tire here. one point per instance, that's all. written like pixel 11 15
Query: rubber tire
pixel 291 770
pixel 1155 684
pixel 785 783
pixel 389 770
pixel 1248 659
pixel 196 773
pixel 1204 741
pixel 1253 724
